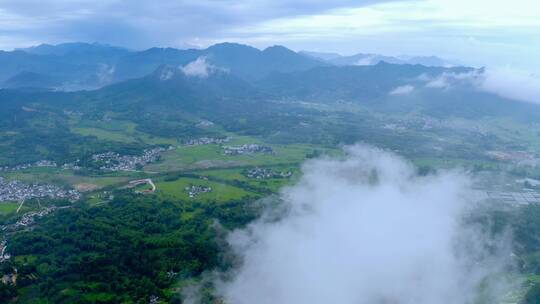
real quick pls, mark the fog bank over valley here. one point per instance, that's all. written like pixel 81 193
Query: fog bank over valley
pixel 366 229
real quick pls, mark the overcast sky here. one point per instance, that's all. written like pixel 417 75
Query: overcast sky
pixel 481 32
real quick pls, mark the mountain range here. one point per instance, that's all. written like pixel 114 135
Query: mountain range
pixel 230 78
pixel 76 66
pixel 275 94
pixel 372 59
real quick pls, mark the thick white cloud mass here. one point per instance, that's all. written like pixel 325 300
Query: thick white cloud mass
pixel 362 230
pixel 514 84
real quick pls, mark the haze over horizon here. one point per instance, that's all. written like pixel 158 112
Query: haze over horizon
pixel 480 33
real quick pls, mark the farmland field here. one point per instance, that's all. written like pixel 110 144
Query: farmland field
pixel 220 192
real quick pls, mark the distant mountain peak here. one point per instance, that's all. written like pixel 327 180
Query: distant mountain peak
pixel 232 46
pixel 83 64
pixel 72 47
pixel 373 59
pixel 27 79
pixel 278 48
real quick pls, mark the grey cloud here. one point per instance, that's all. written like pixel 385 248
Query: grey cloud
pixel 144 23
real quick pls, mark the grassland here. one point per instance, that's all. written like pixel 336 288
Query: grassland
pixel 7 208
pixel 270 184
pixel 221 192
pixel 117 131
pixel 104 134
pixel 211 156
pixel 69 178
pixel 225 171
pixel 512 131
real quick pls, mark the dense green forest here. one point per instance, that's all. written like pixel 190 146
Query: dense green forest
pixel 136 247
pixel 126 251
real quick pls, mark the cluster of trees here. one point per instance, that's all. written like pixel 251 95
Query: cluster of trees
pixel 29 133
pixel 128 250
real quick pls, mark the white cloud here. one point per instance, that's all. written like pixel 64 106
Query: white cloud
pixel 368 60
pixel 362 230
pixel 513 84
pixel 505 82
pixel 446 80
pixel 198 68
pixel 105 73
pixel 402 90
pixel 480 32
pixel 166 74
pixel 440 82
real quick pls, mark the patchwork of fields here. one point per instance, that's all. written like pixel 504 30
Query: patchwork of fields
pixel 206 165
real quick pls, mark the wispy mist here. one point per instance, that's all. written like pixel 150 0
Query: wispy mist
pixel 364 229
pixel 402 90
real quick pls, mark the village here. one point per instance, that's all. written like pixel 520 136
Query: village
pixel 204 124
pixel 38 164
pixel 194 190
pixel 266 173
pixel 108 161
pixel 247 149
pixel 207 141
pixel 25 221
pixel 4 256
pixel 17 191
pixel 114 162
pixel 42 164
pixel 28 218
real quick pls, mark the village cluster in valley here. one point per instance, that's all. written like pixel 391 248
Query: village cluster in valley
pixel 18 191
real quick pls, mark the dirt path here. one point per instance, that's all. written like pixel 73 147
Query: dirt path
pixel 20 206
pixel 143 181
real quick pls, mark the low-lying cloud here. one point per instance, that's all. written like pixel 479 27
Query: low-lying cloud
pixel 447 80
pixel 514 84
pixel 402 90
pixel 364 229
pixel 506 82
pixel 199 68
